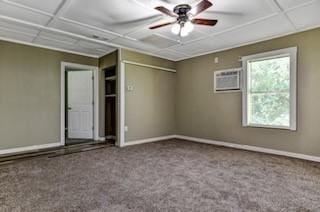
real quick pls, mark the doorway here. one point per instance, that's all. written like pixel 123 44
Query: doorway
pixel 110 74
pixel 79 104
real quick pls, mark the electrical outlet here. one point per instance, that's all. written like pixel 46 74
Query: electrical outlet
pixel 126 128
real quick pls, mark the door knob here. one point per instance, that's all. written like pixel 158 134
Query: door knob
pixel 69 108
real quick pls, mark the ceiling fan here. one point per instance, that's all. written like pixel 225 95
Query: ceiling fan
pixel 184 14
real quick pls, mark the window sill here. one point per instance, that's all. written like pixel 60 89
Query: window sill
pixel 270 127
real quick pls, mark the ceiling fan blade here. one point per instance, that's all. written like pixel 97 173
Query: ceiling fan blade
pixel 139 21
pixel 166 11
pixel 206 22
pixel 202 6
pixel 161 25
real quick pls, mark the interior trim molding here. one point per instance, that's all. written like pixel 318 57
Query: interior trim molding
pixel 226 144
pixel 121 103
pixel 250 148
pixel 96 78
pixel 149 66
pixel 148 140
pixel 28 148
pixel 48 47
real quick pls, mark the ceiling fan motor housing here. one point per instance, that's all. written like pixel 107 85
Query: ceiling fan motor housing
pixel 182 11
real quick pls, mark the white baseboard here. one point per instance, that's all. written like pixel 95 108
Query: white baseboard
pixel 188 138
pixel 251 148
pixel 148 140
pixel 227 144
pixel 28 148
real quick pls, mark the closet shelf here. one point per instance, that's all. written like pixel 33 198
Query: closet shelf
pixel 111 78
pixel 111 95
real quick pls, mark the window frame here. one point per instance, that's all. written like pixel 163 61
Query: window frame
pixel 292 53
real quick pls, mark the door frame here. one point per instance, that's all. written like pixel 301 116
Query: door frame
pixel 95 71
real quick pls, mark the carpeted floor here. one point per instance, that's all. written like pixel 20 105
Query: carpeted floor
pixel 165 176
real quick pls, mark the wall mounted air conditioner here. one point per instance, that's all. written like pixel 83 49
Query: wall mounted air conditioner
pixel 227 80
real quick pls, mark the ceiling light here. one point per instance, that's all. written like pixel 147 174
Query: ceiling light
pixel 184 32
pixel 188 26
pixel 182 28
pixel 175 29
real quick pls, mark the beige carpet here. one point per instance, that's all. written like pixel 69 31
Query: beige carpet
pixel 165 176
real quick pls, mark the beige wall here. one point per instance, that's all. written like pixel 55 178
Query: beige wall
pixel 204 114
pixel 162 103
pixel 106 61
pixel 146 59
pixel 30 94
pixel 150 107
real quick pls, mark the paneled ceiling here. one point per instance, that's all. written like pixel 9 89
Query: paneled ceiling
pixel 98 27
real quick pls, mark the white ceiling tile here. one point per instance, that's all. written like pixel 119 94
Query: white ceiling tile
pixel 232 13
pixel 47 6
pixel 119 16
pixel 23 14
pixel 147 37
pixel 87 44
pixel 135 44
pixel 91 51
pixel 257 31
pixel 201 46
pixel 142 33
pixel 92 45
pixel 12 35
pixel 59 45
pixel 59 37
pixel 81 30
pixel 287 4
pixel 158 41
pixel 65 42
pixel 53 42
pixel 19 27
pixel 171 54
pixel 307 16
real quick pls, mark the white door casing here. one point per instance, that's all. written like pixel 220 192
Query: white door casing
pixel 80 104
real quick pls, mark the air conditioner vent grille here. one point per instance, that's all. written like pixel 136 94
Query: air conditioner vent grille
pixel 227 80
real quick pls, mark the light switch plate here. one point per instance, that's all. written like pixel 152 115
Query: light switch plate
pixel 130 88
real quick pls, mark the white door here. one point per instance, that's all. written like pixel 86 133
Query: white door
pixel 80 104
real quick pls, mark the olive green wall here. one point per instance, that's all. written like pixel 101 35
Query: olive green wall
pixel 150 107
pixel 30 94
pixel 106 61
pixel 204 114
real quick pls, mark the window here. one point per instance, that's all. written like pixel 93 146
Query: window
pixel 269 89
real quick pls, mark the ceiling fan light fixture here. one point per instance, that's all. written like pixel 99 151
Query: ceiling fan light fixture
pixel 184 31
pixel 188 26
pixel 176 28
pixel 184 15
